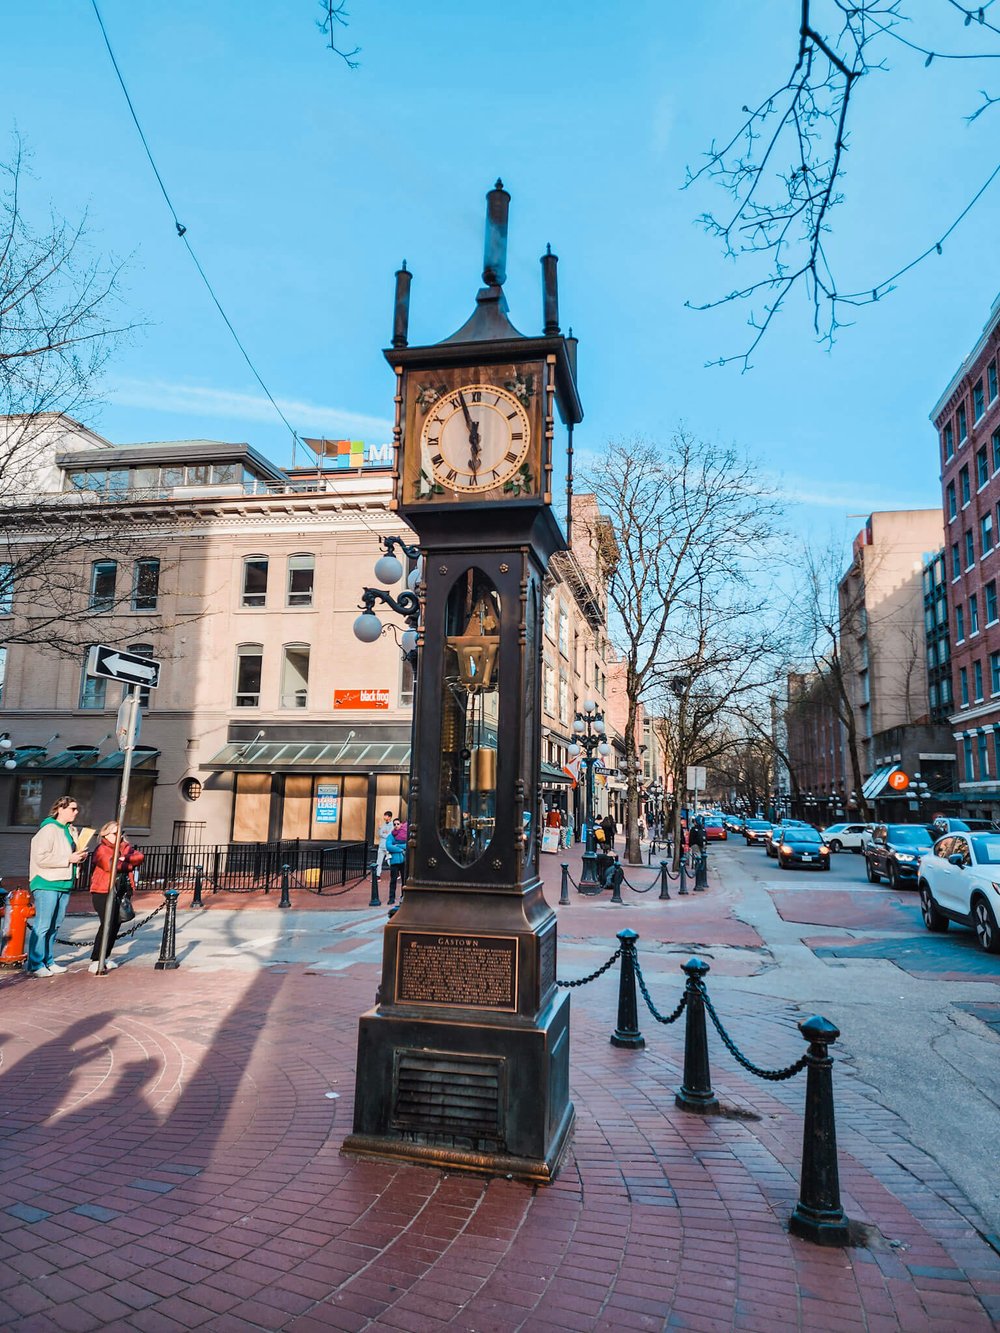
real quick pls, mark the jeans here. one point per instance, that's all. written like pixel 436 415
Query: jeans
pixel 99 901
pixel 50 908
pixel 395 877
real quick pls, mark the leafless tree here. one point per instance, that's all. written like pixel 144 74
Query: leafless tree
pixel 691 523
pixel 335 15
pixel 60 320
pixel 783 167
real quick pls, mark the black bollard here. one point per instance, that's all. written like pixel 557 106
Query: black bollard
pixel 682 888
pixel 614 879
pixel 196 900
pixel 650 851
pixel 664 885
pixel 627 1032
pixel 696 1091
pixel 374 900
pixel 818 1215
pixel 285 885
pixel 564 900
pixel 167 960
pixel 701 873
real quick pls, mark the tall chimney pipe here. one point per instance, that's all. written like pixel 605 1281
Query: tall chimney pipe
pixel 401 310
pixel 550 292
pixel 495 244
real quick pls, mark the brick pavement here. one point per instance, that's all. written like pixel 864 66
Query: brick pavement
pixel 170 1160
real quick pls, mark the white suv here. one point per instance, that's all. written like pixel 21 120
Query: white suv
pixel 960 881
pixel 850 836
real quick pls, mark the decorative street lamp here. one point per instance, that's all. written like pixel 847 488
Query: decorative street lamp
pixel 589 729
pixel 388 569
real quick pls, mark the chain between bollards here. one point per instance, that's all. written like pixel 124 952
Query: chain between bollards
pixel 196 900
pixel 627 1032
pixel 167 960
pixel 374 900
pixel 285 885
pixel 818 1215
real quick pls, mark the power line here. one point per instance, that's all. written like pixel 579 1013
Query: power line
pixel 182 233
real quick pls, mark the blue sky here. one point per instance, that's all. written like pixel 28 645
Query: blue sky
pixel 304 184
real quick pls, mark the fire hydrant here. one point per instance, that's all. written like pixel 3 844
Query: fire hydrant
pixel 16 913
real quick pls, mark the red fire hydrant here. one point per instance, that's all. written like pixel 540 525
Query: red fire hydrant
pixel 16 913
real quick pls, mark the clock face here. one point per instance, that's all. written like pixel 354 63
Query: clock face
pixel 475 438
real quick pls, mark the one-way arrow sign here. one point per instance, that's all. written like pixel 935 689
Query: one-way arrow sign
pixel 129 667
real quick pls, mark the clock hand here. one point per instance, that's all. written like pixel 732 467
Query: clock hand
pixel 474 446
pixel 468 419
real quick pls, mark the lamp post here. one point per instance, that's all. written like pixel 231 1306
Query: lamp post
pixel 589 729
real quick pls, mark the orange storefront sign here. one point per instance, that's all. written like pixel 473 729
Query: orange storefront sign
pixel 899 781
pixel 360 699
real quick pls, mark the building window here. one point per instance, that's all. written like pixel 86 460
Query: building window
pixel 991 601
pixel 963 686
pixel 564 631
pixel 139 807
pixel 986 533
pixel 249 664
pixel 995 440
pixel 254 580
pixel 942 650
pixel 295 676
pixel 982 467
pixel 142 650
pixel 974 614
pixel 405 683
pixel 965 490
pixel 145 585
pixel 301 571
pixel 991 379
pixel 93 689
pixel 3 671
pixel 970 775
pixel 970 550
pixel 995 673
pixel 6 589
pixel 946 692
pixel 984 758
pixel 948 442
pixel 550 616
pixel 977 681
pixel 27 802
pixel 959 623
pixel 103 574
pixel 563 698
pixel 978 400
pixel 963 425
pixel 956 561
pixel 549 684
pixel 952 500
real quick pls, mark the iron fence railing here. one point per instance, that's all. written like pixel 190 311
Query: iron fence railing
pixel 243 867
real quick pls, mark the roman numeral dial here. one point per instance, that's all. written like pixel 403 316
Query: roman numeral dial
pixel 477 440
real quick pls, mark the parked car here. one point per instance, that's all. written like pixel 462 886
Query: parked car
pixel 960 881
pixel 801 846
pixel 845 836
pixel 778 831
pixel 715 829
pixel 756 831
pixel 943 824
pixel 893 851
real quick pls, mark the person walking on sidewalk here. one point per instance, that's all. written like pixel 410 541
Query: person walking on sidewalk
pixel 610 829
pixel 102 882
pixel 396 847
pixel 382 833
pixel 52 864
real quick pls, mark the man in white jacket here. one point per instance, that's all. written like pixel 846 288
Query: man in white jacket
pixel 384 829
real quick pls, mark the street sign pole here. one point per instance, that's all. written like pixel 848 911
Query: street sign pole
pixel 132 699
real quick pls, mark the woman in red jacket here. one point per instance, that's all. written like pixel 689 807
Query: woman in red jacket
pixel 101 882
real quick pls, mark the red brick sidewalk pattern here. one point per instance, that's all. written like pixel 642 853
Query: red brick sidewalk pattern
pixel 171 1161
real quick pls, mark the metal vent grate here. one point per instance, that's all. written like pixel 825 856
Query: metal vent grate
pixel 449 1098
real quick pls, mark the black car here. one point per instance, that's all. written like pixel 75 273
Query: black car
pixel 893 851
pixel 800 845
pixel 756 831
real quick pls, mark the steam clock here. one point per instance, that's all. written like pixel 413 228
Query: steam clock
pixel 464 1060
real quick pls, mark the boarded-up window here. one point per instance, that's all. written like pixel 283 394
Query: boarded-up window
pixel 252 807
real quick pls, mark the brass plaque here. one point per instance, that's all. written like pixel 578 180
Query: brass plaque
pixel 461 971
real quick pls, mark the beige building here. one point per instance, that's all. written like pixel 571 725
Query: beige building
pixel 271 720
pixel 881 625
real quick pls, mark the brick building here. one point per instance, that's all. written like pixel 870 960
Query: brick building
pixel 967 420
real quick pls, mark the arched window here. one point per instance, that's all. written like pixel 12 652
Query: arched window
pixel 301 570
pixel 254 586
pixel 249 665
pixel 295 675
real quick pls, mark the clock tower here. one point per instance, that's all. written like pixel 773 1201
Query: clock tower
pixel 464 1060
